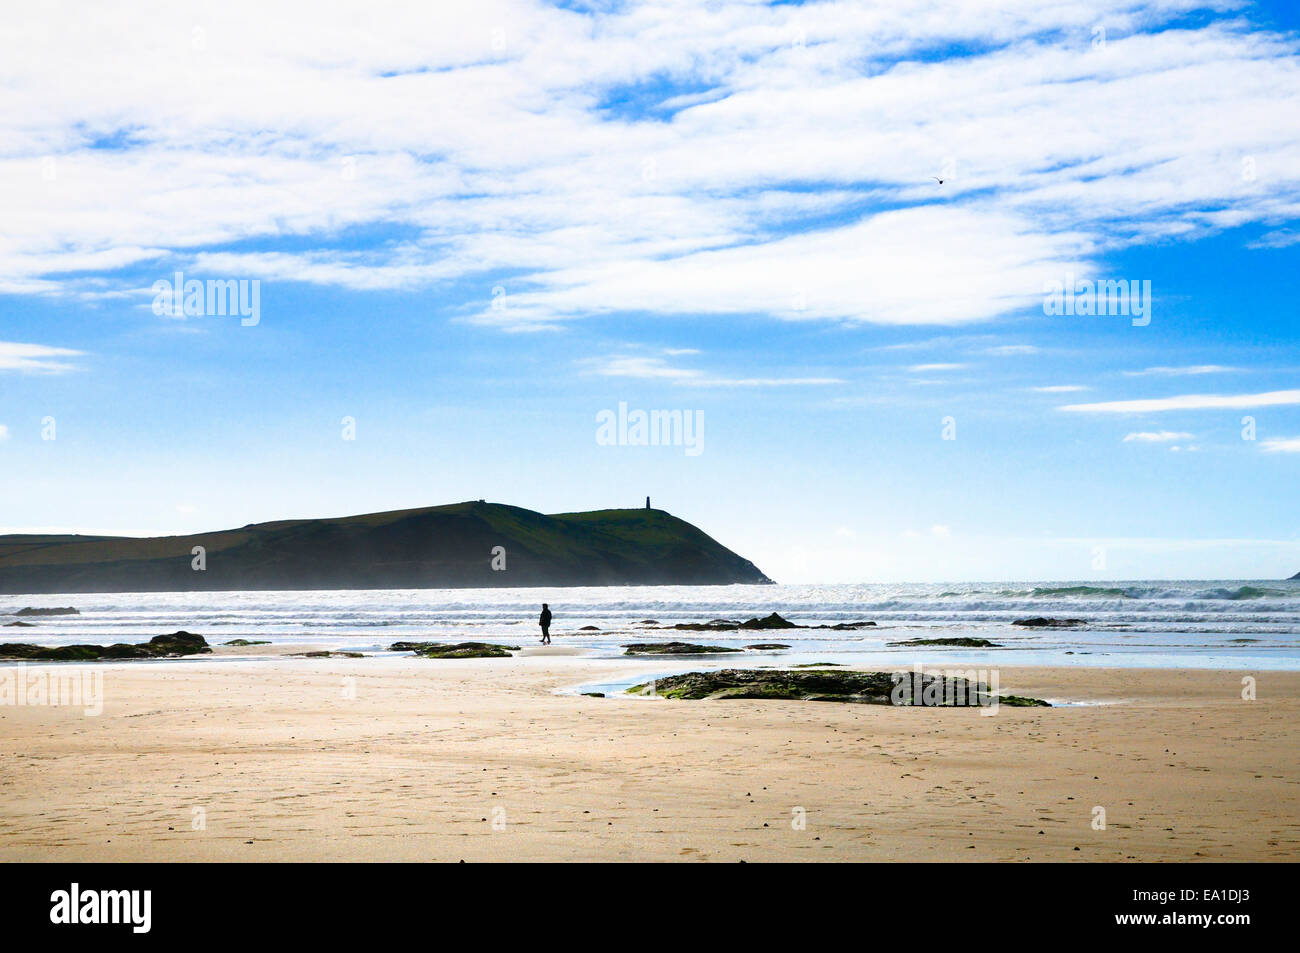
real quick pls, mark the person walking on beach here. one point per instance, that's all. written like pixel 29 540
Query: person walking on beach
pixel 545 622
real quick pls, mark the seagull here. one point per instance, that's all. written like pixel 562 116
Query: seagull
pixel 937 179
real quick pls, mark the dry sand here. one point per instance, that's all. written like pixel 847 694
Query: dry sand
pixel 480 760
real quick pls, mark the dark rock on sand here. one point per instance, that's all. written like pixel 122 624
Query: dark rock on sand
pixel 864 688
pixel 594 694
pixel 762 646
pixel 589 628
pixel 160 646
pixel 846 626
pixel 816 665
pixel 325 654
pixel 674 648
pixel 1038 622
pixel 23 625
pixel 965 643
pixel 246 642
pixel 66 610
pixel 456 650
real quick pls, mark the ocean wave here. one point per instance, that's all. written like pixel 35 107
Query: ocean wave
pixel 1083 591
pixel 1244 592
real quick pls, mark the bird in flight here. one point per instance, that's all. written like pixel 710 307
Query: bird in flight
pixel 937 179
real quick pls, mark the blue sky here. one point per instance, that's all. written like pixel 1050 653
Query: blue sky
pixel 476 228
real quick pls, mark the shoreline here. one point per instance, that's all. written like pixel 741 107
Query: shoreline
pixel 486 759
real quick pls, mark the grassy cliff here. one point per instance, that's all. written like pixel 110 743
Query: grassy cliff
pixel 432 547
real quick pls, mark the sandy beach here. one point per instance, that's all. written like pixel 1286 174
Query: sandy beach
pixel 279 759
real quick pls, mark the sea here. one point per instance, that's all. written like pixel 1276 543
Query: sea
pixel 1219 624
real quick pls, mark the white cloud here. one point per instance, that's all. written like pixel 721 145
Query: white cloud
pixel 491 138
pixel 35 358
pixel 656 368
pixel 1059 389
pixel 1281 445
pixel 1159 436
pixel 1282 238
pixel 1189 402
pixel 1012 350
pixel 1183 371
pixel 924 368
pixel 938 531
pixel 4 432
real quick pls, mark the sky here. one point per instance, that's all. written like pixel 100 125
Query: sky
pixel 474 227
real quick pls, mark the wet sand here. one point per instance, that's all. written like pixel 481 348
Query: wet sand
pixel 273 759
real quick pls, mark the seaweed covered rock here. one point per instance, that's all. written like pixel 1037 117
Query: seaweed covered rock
pixel 174 645
pixel 242 642
pixel 772 621
pixel 455 650
pixel 765 646
pixel 1039 622
pixel 966 643
pixel 863 688
pixel 674 648
pixel 66 610
pixel 178 643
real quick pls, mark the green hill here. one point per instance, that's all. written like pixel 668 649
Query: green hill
pixel 433 547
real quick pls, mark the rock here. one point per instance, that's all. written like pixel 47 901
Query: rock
pixel 1038 622
pixel 326 654
pixel 846 626
pixel 455 650
pixel 864 688
pixel 179 643
pixel 67 610
pixel 965 643
pixel 246 642
pixel 594 694
pixel 674 648
pixel 772 621
pixel 767 645
pixel 160 646
pixel 24 625
pixel 817 665
pixel 589 628
pixel 648 622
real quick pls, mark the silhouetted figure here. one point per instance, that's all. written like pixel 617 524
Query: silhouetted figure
pixel 545 622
